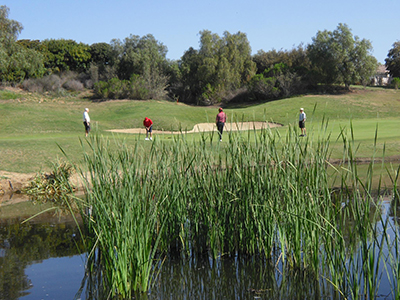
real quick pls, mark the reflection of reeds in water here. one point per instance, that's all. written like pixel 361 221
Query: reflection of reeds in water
pixel 264 193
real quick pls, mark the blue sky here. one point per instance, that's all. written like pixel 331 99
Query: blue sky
pixel 269 24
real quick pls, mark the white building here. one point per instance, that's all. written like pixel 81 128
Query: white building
pixel 382 77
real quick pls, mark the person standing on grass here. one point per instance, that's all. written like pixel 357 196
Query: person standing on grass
pixel 86 121
pixel 148 123
pixel 302 122
pixel 220 121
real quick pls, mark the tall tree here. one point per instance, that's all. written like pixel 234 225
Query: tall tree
pixel 295 59
pixel 17 61
pixel 141 56
pixel 338 57
pixel 221 65
pixel 66 55
pixel 392 62
pixel 142 61
pixel 9 29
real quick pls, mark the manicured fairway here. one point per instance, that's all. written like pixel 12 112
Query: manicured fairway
pixel 32 126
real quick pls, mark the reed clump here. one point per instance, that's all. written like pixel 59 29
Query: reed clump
pixel 263 193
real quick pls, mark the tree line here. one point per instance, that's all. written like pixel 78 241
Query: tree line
pixel 221 70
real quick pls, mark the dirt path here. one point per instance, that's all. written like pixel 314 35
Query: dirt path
pixel 204 127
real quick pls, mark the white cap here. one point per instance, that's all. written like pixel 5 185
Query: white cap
pixel 301 108
pixel 86 109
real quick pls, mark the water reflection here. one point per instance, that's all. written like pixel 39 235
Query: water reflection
pixel 23 247
pixel 40 260
pixel 232 278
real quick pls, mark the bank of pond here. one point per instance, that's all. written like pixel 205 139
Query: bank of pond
pixel 258 217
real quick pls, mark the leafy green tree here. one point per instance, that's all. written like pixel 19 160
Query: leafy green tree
pixel 190 79
pixel 17 61
pixel 103 64
pixel 220 66
pixel 338 57
pixel 9 29
pixel 295 59
pixel 365 64
pixel 142 60
pixel 103 54
pixel 392 62
pixel 66 55
pixel 140 55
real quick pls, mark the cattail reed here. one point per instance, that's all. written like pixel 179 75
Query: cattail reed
pixel 259 193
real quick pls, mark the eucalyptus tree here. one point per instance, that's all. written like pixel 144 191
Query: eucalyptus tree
pixel 10 29
pixel 338 57
pixel 392 62
pixel 140 55
pixel 142 60
pixel 17 61
pixel 220 66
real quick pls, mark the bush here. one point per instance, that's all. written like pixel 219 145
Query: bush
pixel 101 90
pixel 118 89
pixel 73 85
pixel 51 83
pixel 138 88
pixel 263 87
pixel 54 83
pixel 32 85
pixel 396 82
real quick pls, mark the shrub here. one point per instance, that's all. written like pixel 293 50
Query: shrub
pixel 73 85
pixel 138 88
pixel 263 87
pixel 51 83
pixel 396 82
pixel 56 83
pixel 118 89
pixel 33 86
pixel 101 89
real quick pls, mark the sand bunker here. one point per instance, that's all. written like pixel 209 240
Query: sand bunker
pixel 202 127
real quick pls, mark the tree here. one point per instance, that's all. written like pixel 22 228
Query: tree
pixel 66 55
pixel 392 62
pixel 9 29
pixel 142 60
pixel 338 57
pixel 141 56
pixel 220 66
pixel 102 54
pixel 103 63
pixel 295 59
pixel 18 62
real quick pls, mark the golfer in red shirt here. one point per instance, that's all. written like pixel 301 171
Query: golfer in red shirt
pixel 220 121
pixel 148 123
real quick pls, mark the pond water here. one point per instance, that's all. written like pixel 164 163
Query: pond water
pixel 41 259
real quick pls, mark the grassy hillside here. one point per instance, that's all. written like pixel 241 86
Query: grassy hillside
pixel 32 126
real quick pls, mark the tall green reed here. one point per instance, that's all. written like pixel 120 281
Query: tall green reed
pixel 258 193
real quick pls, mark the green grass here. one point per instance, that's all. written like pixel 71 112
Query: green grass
pixel 31 125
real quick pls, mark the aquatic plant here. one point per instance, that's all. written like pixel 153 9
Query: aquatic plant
pixel 259 193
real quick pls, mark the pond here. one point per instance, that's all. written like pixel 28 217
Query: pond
pixel 43 259
pixel 39 259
